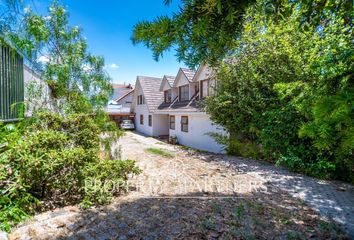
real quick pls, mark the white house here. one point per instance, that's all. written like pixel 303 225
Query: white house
pixel 146 99
pixel 170 107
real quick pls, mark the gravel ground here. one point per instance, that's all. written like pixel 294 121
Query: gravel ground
pixel 197 195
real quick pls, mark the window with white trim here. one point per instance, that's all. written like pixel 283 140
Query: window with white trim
pixel 141 99
pixel 184 92
pixel 172 122
pixel 184 124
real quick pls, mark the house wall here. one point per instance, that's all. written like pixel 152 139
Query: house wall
pixel 37 92
pixel 203 73
pixel 174 93
pixel 197 136
pixel 166 86
pixel 181 80
pixel 160 123
pixel 192 89
pixel 141 109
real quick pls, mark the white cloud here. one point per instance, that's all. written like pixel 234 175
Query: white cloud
pixel 87 68
pixel 47 18
pixel 27 10
pixel 43 59
pixel 113 66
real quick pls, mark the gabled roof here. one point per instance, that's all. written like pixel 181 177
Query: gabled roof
pixel 167 79
pixel 150 88
pixel 170 79
pixel 188 73
pixel 199 70
pixel 120 90
pixel 124 95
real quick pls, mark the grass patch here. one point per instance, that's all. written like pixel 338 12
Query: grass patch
pixel 186 148
pixel 159 152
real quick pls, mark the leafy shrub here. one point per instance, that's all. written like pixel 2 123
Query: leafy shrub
pixel 55 159
pixel 289 91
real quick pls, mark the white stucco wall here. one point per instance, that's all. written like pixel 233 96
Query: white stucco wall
pixel 37 92
pixel 141 109
pixel 203 73
pixel 160 123
pixel 181 80
pixel 197 136
pixel 143 128
pixel 165 86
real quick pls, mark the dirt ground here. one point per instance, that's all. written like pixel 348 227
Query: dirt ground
pixel 187 194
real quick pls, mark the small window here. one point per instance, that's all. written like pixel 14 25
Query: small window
pixel 172 122
pixel 140 99
pixel 167 96
pixel 184 124
pixel 141 119
pixel 184 92
pixel 150 120
pixel 204 88
pixel 196 90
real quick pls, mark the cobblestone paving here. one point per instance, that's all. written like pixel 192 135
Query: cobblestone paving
pixel 162 202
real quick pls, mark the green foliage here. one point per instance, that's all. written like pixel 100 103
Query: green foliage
pixel 62 57
pixel 284 71
pixel 106 179
pixel 206 30
pixel 56 159
pixel 284 91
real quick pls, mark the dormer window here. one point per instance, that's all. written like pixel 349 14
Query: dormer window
pixel 184 92
pixel 168 96
pixel 207 88
pixel 140 99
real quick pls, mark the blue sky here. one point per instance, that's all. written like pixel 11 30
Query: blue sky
pixel 108 25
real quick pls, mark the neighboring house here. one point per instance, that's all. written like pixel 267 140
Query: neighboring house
pixel 119 105
pixel 37 92
pixel 169 107
pixel 22 91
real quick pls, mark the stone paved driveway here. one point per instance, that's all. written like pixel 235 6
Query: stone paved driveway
pixel 199 195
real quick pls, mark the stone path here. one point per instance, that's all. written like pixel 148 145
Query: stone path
pixel 198 195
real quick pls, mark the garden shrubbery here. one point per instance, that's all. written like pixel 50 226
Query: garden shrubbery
pixel 50 160
pixel 286 93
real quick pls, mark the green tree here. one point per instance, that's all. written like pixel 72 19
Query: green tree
pixel 63 58
pixel 206 30
pixel 284 71
pixel 289 91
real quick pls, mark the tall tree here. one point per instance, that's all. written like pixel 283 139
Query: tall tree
pixel 205 30
pixel 61 54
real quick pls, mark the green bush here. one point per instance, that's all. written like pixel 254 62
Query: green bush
pixel 287 87
pixel 56 159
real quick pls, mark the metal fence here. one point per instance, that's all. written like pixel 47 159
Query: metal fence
pixel 11 83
